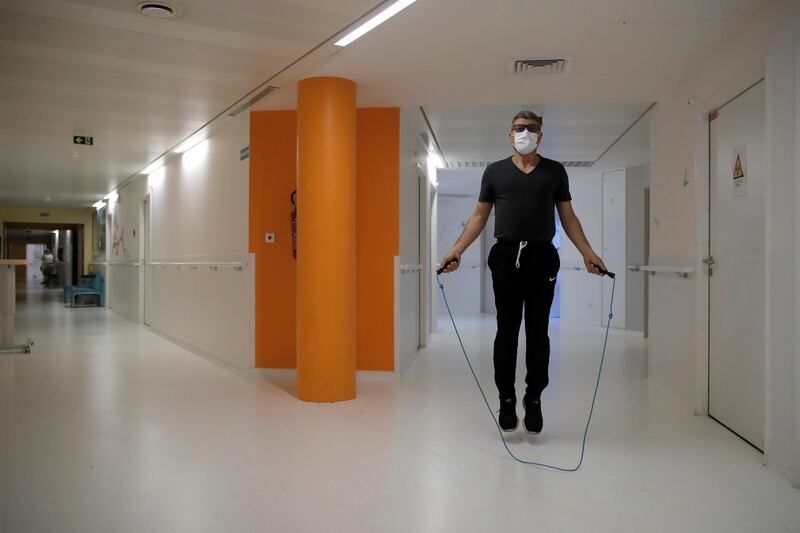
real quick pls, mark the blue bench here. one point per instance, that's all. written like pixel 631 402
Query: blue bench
pixel 91 285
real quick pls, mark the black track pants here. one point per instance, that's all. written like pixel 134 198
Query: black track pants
pixel 524 278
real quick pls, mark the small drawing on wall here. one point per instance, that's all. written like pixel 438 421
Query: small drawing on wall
pixel 118 244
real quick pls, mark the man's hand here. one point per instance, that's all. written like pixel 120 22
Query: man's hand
pixel 451 255
pixel 592 262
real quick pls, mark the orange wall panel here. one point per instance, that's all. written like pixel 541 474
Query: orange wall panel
pixel 377 234
pixel 273 176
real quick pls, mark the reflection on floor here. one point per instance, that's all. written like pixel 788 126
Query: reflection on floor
pixel 108 427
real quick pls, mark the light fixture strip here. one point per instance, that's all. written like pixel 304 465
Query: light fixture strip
pixel 188 144
pixel 374 21
pixel 155 165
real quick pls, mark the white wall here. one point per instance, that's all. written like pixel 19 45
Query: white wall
pixel 763 42
pixel 463 285
pixel 123 249
pixel 202 287
pixel 581 293
pixel 411 330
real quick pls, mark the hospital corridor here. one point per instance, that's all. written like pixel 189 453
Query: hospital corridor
pixel 399 266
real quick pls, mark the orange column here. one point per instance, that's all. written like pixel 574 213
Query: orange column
pixel 326 194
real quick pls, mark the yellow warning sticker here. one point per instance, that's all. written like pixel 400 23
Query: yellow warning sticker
pixel 740 171
pixel 737 168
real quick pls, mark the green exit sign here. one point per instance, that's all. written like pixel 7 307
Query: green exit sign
pixel 82 139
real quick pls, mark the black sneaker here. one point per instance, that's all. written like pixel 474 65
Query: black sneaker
pixel 508 415
pixel 533 416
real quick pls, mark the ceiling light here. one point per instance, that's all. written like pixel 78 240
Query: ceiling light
pixel 155 165
pixel 188 144
pixel 161 10
pixel 375 21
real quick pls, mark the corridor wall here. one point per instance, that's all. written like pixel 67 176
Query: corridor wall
pixel 273 136
pixel 764 41
pixel 196 288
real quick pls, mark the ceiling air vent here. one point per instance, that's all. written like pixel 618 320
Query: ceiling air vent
pixel 250 101
pixel 539 67
pixel 579 164
pixel 160 10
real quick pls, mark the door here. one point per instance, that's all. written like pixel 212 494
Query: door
pixel 34 253
pixel 736 277
pixel 145 266
pixel 614 243
pixel 464 285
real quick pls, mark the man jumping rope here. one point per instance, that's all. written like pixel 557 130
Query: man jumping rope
pixel 525 188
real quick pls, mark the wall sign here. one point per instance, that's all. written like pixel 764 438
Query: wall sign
pixel 740 171
pixel 82 139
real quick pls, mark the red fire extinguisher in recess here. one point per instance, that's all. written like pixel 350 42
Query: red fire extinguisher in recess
pixel 293 218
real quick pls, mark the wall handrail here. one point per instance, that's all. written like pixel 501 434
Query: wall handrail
pixel 682 271
pixel 236 265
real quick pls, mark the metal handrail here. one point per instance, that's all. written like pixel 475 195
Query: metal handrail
pixel 682 271
pixel 213 265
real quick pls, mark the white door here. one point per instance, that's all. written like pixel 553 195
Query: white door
pixel 614 242
pixel 148 272
pixel 34 253
pixel 464 285
pixel 737 281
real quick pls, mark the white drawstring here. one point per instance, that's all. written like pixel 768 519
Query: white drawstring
pixel 522 245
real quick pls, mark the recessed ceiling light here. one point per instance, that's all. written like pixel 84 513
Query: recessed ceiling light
pixel 160 10
pixel 375 21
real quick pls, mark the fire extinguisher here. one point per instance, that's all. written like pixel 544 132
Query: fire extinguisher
pixel 293 218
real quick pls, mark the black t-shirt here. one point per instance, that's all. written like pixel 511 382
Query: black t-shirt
pixel 525 203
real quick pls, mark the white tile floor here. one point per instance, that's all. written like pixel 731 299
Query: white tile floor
pixel 108 427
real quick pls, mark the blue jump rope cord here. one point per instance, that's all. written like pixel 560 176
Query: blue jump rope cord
pixel 491 412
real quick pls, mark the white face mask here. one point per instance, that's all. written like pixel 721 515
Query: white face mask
pixel 526 142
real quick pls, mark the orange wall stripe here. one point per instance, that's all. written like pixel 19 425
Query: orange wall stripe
pixel 377 234
pixel 273 171
pixel 273 177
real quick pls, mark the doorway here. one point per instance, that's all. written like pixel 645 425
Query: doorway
pixel 66 241
pixel 736 283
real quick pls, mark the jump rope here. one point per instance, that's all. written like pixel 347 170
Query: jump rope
pixel 483 394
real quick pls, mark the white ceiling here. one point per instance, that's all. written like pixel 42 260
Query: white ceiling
pixel 456 53
pixel 578 132
pixel 140 85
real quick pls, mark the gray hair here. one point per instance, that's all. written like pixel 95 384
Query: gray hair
pixel 530 115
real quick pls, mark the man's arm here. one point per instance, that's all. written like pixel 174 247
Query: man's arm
pixel 574 230
pixel 473 228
